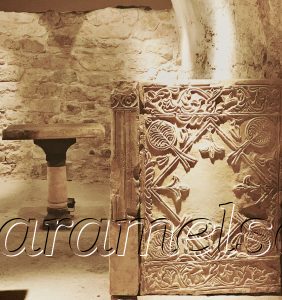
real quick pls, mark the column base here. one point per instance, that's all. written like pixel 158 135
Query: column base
pixel 55 150
pixel 57 217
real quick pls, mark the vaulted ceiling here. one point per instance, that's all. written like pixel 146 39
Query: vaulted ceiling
pixel 81 5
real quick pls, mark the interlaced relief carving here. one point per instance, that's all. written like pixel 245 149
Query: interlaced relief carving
pixel 124 97
pixel 180 101
pixel 219 143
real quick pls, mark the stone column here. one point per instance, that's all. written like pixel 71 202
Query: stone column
pixel 55 150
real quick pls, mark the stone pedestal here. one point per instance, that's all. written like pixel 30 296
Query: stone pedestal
pixel 55 140
pixel 55 150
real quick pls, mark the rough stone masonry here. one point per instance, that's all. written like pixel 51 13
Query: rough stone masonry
pixel 62 67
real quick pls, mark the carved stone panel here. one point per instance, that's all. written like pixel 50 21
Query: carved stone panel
pixel 210 169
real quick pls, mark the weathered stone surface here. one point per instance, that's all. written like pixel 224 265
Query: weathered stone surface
pixel 33 46
pixel 10 73
pixel 64 76
pixel 7 87
pixel 5 168
pixel 124 193
pixel 51 105
pixel 2 157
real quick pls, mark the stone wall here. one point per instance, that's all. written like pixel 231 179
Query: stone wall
pixel 231 38
pixel 61 67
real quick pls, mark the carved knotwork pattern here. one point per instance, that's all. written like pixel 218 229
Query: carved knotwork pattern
pixel 208 127
pixel 174 278
pixel 182 101
pixel 124 97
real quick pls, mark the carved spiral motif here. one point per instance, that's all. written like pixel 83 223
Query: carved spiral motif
pixel 126 99
pixel 259 131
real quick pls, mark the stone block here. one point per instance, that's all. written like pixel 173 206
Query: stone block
pixel 45 106
pixel 5 168
pixel 10 73
pixel 2 157
pixel 64 76
pixel 33 46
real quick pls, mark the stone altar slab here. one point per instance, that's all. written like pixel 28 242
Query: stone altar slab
pixel 53 131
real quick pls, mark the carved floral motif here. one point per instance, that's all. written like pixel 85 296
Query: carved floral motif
pixel 210 149
pixel 174 278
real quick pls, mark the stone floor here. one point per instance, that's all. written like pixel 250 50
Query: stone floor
pixel 63 276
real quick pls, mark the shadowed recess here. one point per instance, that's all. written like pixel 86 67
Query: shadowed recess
pixel 13 295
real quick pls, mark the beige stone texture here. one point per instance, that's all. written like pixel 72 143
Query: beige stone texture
pixel 63 275
pixel 61 67
pixel 57 187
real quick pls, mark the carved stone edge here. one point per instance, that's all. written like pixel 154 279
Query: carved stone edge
pixel 214 82
pixel 266 287
pixel 125 96
pixel 125 151
pixel 124 270
pixel 280 177
pixel 227 84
